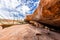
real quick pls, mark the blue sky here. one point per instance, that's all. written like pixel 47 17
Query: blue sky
pixel 17 9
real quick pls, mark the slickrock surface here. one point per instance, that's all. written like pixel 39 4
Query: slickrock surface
pixel 48 12
pixel 27 32
pixel 0 28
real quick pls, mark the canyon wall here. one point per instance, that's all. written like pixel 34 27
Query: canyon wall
pixel 48 12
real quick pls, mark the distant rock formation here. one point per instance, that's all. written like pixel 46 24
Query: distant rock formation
pixel 48 12
pixel 7 22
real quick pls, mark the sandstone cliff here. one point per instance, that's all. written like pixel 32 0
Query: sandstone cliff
pixel 48 12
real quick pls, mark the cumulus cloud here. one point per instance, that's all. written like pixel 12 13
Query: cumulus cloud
pixel 13 9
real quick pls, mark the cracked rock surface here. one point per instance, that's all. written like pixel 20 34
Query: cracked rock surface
pixel 27 32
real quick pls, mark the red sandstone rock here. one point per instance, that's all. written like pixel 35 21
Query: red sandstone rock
pixel 48 12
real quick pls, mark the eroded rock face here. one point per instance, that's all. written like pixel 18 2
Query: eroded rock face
pixel 1 28
pixel 48 12
pixel 27 32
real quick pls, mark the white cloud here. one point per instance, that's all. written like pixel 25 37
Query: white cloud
pixel 10 7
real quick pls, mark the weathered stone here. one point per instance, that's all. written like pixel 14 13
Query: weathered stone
pixel 0 28
pixel 48 12
pixel 27 32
